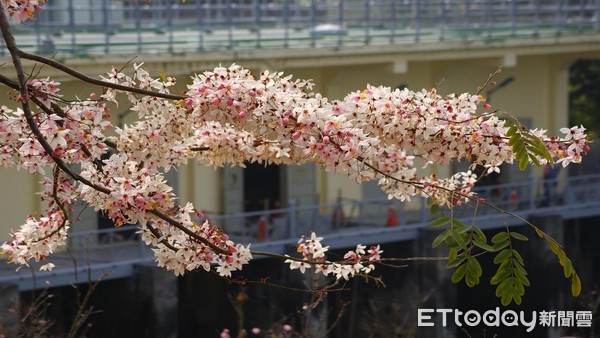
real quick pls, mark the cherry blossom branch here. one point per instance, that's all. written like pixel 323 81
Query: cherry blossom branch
pixel 489 80
pixel 56 173
pixel 11 45
pixel 23 89
pixel 188 232
pixel 158 236
pixel 314 262
pixel 91 80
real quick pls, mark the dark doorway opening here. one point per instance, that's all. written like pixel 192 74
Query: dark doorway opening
pixel 262 187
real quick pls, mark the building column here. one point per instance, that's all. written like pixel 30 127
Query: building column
pixel 9 311
pixel 157 302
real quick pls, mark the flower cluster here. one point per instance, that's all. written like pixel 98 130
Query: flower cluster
pixel 179 252
pixel 572 150
pixel 46 90
pixel 74 134
pixel 228 115
pixel 359 261
pixel 22 10
pixel 37 238
pixel 141 195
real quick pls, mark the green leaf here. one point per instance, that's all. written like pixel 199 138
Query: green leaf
pixel 557 250
pixel 459 273
pixel 506 299
pixel 539 232
pixel 504 270
pixel 518 256
pixel 456 261
pixel 523 280
pixel 500 237
pixel 503 286
pixel 483 245
pixel 458 238
pixel 518 236
pixel 535 161
pixel 473 272
pixel 500 246
pixel 458 223
pixel 575 285
pixel 536 150
pixel 438 222
pixel 440 238
pixel 523 161
pixel 517 298
pixel 473 263
pixel 461 229
pixel 516 138
pixel 480 234
pixel 502 256
pixel 520 289
pixel 163 76
pixel 567 267
pixel 519 149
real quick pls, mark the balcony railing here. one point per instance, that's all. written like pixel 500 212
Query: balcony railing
pixel 113 253
pixel 68 27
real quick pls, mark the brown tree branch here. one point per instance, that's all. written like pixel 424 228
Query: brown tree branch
pixel 85 78
pixel 15 53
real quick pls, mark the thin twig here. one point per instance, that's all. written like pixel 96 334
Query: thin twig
pixel 91 80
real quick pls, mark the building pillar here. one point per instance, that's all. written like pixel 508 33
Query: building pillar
pixel 9 311
pixel 436 288
pixel 157 302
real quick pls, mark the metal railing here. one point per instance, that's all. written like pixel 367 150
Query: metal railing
pixel 112 253
pixel 123 27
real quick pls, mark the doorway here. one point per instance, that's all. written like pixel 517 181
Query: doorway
pixel 262 187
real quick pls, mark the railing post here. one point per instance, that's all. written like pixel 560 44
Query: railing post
pixel 138 25
pixel 286 24
pixel 313 21
pixel 256 13
pixel 393 21
pixel 532 189
pixel 169 10
pixel 229 24
pixel 340 21
pixel 72 26
pixel 418 21
pixel 106 26
pixel 367 22
pixel 293 223
pixel 200 24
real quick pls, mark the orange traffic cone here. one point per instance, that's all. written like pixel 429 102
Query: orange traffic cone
pixel 392 219
pixel 261 232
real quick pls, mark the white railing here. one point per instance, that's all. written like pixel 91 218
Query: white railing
pixel 346 223
pixel 123 27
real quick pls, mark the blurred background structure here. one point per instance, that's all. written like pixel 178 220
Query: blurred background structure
pixel 343 46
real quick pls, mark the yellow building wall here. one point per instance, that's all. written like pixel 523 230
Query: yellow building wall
pixel 17 199
pixel 539 92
